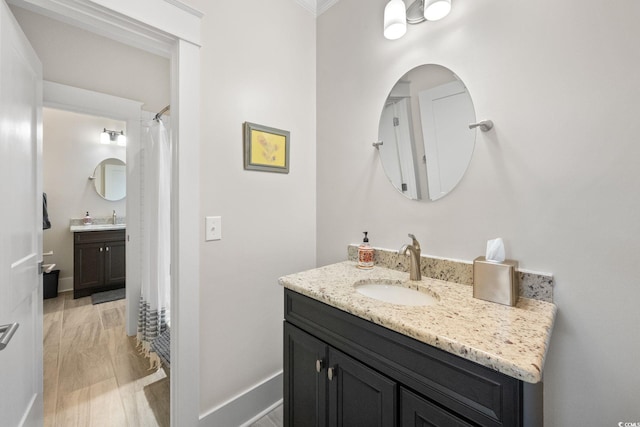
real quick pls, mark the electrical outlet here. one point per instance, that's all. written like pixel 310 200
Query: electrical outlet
pixel 213 228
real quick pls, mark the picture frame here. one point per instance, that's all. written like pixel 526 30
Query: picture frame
pixel 266 149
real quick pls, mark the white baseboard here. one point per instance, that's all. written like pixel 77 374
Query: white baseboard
pixel 247 407
pixel 263 413
pixel 65 284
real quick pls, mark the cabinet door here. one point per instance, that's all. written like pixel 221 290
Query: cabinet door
pixel 358 395
pixel 305 391
pixel 88 270
pixel 416 411
pixel 114 256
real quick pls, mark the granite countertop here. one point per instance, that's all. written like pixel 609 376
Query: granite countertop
pixel 510 340
pixel 96 227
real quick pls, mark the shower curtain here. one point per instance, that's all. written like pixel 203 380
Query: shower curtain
pixel 154 310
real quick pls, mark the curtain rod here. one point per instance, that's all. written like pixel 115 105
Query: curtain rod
pixel 161 112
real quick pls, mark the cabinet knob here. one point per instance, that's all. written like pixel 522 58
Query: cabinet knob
pixel 331 372
pixel 107 248
pixel 100 249
pixel 319 365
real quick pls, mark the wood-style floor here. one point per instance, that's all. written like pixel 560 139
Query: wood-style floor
pixel 93 373
pixel 272 419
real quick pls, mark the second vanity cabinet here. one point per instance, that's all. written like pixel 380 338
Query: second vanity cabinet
pixel 341 370
pixel 98 261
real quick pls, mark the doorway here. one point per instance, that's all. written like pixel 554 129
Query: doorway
pixel 173 29
pixel 91 366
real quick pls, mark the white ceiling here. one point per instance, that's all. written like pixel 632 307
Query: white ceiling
pixel 317 7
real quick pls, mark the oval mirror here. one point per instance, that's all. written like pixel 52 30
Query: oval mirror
pixel 424 140
pixel 110 179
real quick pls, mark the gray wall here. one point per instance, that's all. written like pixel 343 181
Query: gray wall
pixel 557 178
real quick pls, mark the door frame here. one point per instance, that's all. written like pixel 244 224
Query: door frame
pixel 171 29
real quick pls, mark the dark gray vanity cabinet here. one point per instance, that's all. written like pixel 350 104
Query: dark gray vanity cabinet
pixel 328 388
pixel 341 370
pixel 98 261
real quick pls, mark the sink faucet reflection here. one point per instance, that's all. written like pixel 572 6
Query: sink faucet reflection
pixel 414 253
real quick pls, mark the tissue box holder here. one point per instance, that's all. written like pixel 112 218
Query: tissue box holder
pixel 496 281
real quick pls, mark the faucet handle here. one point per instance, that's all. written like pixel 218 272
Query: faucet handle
pixel 416 244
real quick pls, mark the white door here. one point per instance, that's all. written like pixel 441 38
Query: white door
pixel 397 151
pixel 20 226
pixel 445 113
pixel 389 151
pixel 115 182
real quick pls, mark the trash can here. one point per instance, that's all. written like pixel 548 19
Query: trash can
pixel 50 283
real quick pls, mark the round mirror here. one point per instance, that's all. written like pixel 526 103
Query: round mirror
pixel 424 140
pixel 110 179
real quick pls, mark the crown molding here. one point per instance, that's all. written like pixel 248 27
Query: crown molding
pixel 324 5
pixel 316 7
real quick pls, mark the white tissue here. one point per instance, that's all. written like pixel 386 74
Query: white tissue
pixel 495 250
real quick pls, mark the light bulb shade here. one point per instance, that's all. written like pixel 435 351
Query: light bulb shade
pixel 436 9
pixel 105 138
pixel 122 140
pixel 395 19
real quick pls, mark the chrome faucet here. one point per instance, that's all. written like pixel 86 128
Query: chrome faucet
pixel 414 252
pixel 114 217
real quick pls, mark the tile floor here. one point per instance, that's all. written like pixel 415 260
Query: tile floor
pixel 93 373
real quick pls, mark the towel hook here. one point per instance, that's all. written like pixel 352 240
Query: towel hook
pixel 377 144
pixel 484 125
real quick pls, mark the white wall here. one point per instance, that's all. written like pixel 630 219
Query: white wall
pixel 71 151
pixel 258 65
pixel 79 58
pixel 557 178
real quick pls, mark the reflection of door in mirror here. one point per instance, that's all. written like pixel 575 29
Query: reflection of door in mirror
pixel 115 182
pixel 446 145
pixel 398 149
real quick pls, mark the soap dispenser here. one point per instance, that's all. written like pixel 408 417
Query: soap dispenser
pixel 365 254
pixel 87 220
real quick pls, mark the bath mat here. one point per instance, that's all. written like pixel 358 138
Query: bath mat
pixel 107 296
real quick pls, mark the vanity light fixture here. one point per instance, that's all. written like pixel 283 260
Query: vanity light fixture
pixel 396 17
pixel 113 137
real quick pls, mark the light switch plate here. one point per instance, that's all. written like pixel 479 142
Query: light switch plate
pixel 213 228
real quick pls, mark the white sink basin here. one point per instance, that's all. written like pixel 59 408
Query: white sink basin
pixel 394 292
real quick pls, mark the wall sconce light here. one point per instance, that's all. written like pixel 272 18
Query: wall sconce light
pixel 396 16
pixel 113 137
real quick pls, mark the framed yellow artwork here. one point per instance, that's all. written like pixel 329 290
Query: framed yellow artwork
pixel 266 149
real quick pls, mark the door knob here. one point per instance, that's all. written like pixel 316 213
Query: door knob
pixel 331 372
pixel 6 332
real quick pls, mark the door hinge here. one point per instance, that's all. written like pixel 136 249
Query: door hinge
pixel 396 121
pixel 404 187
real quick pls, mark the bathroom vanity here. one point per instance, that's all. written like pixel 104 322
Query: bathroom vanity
pixel 350 360
pixel 98 260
